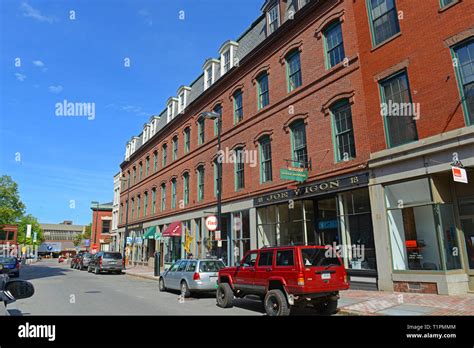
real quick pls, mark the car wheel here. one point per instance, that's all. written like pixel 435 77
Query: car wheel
pixel 276 303
pixel 72 265
pixel 161 285
pixel 96 270
pixel 326 307
pixel 224 295
pixel 16 274
pixel 89 269
pixel 185 289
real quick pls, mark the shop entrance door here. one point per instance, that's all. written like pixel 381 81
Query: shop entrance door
pixel 466 212
pixel 326 222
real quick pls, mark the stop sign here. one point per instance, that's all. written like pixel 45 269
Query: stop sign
pixel 211 223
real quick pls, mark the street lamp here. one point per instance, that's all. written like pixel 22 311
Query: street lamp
pixel 96 222
pixel 212 115
pixel 125 233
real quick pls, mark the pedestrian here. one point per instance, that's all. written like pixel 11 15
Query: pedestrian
pixel 190 256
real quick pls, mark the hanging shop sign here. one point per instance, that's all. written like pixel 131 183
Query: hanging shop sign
pixel 135 227
pixel 459 174
pixel 315 189
pixel 211 223
pixel 294 173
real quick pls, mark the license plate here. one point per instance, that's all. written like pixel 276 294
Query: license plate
pixel 213 279
pixel 326 276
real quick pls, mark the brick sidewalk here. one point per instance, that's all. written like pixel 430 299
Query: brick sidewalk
pixel 363 302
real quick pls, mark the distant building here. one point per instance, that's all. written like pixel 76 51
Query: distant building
pixel 8 238
pixel 115 246
pixel 101 226
pixel 58 238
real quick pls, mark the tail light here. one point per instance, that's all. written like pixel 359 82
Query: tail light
pixel 196 276
pixel 100 261
pixel 300 279
pixel 18 265
pixel 345 278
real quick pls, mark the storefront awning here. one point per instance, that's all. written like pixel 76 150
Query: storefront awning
pixel 173 230
pixel 150 233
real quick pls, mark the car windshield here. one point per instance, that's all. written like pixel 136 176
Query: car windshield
pixel 210 266
pixel 7 259
pixel 319 257
pixel 115 256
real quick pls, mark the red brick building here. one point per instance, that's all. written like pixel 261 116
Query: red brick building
pixel 101 226
pixel 296 89
pixel 8 237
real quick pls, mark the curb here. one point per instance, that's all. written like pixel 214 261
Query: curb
pixel 141 276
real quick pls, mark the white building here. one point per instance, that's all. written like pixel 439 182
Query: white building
pixel 115 213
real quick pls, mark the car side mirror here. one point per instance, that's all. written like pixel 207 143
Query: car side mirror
pixel 20 289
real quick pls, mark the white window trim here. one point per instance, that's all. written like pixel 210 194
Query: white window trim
pixel 210 63
pixel 228 46
pixel 277 5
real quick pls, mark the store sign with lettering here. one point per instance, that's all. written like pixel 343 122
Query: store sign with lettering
pixel 314 189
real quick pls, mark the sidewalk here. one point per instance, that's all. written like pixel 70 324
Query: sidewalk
pixel 361 302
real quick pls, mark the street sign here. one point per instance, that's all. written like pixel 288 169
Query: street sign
pixel 219 243
pixel 459 174
pixel 217 235
pixel 35 237
pixel 28 231
pixel 129 240
pixel 87 242
pixel 293 173
pixel 211 223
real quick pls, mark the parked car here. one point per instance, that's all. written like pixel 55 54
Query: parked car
pixel 105 261
pixel 190 276
pixel 75 259
pixel 84 261
pixel 286 276
pixel 61 259
pixel 11 265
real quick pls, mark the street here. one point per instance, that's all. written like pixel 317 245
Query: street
pixel 60 290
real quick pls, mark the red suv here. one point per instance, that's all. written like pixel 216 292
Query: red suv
pixel 286 276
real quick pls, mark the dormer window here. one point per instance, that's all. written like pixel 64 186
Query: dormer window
pixel 227 53
pixel 183 96
pixel 171 109
pixel 273 18
pixel 210 71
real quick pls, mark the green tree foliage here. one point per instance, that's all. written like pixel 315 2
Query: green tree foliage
pixel 35 227
pixel 11 206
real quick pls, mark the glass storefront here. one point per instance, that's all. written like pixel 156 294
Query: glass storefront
pixel 466 212
pixel 240 234
pixel 422 233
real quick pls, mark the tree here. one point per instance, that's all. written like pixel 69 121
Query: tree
pixel 82 236
pixel 11 206
pixel 35 227
pixel 87 232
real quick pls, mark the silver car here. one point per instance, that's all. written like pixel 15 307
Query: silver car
pixel 191 276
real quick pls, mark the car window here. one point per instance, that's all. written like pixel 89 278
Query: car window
pixel 191 266
pixel 115 256
pixel 250 259
pixel 175 266
pixel 317 257
pixel 182 266
pixel 266 258
pixel 285 258
pixel 210 266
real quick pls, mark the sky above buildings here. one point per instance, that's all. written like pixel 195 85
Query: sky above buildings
pixel 122 57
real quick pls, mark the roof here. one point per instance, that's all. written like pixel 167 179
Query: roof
pixel 102 206
pixel 61 227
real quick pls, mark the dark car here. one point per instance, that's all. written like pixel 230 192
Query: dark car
pixel 286 276
pixel 106 261
pixel 11 265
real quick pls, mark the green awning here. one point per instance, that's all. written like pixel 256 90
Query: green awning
pixel 150 233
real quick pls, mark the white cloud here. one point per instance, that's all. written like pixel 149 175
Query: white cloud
pixel 38 63
pixel 146 16
pixel 20 77
pixel 29 11
pixel 56 89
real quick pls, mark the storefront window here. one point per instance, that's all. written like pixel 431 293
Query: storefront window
pixel 422 234
pixel 466 211
pixel 240 234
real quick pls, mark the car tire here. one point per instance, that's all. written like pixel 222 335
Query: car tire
pixel 161 285
pixel 276 304
pixel 96 270
pixel 185 289
pixel 327 307
pixel 224 296
pixel 72 265
pixel 89 269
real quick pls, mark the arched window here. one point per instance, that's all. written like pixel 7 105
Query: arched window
pixel 238 106
pixel 299 151
pixel 239 168
pixel 293 70
pixel 265 151
pixel 186 188
pixel 263 90
pixel 173 193
pixel 200 183
pixel 343 132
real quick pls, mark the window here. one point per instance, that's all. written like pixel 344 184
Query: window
pixel 147 166
pixel 263 94
pixel 145 203
pixel 464 56
pixel 398 110
pixel 273 18
pixel 239 169
pixel 133 208
pixel 384 20
pixel 285 258
pixel 238 107
pixel 175 148
pixel 155 161
pixel 216 175
pixel 134 175
pixel 209 76
pixel 265 159
pixel 105 226
pixel 218 109
pixel 250 259
pixel 344 145
pixel 126 210
pixel 298 142
pixel 181 102
pixel 266 258
pixel 201 131
pixel 187 140
pixel 445 3
pixel 140 171
pixel 164 155
pixel 163 197
pixel 226 61
pixel 334 45
pixel 138 206
pixel 200 183
pixel 173 193
pixel 186 188
pixel 293 70
pixel 121 213
pixel 182 266
pixel 153 200
pixel 191 266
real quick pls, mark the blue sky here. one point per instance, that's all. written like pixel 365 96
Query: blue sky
pixel 63 163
